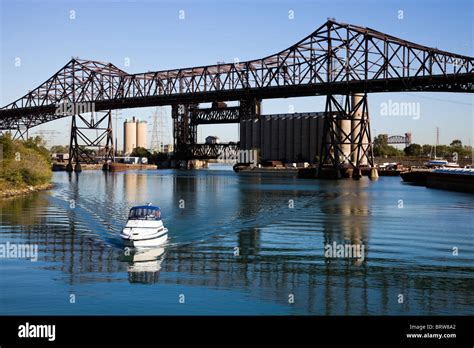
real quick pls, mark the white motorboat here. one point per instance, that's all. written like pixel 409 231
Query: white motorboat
pixel 144 227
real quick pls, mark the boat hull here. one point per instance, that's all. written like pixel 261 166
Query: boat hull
pixel 415 177
pixel 452 180
pixel 146 243
pixel 144 233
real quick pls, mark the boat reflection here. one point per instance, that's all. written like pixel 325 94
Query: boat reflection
pixel 144 264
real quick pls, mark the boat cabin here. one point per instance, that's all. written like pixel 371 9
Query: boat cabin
pixel 145 212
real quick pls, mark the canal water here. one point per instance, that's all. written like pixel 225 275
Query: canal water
pixel 239 245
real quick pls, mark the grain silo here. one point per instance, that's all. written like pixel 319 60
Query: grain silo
pixel 134 135
pixel 141 134
pixel 297 153
pixel 256 134
pixel 274 138
pixel 289 138
pixel 305 136
pixel 243 136
pixel 267 139
pixel 248 134
pixel 321 136
pixel 281 138
pixel 313 138
pixel 129 136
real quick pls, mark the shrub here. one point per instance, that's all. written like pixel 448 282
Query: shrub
pixel 24 162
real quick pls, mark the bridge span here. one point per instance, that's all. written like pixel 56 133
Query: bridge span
pixel 337 59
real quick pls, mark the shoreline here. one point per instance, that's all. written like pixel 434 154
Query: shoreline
pixel 16 192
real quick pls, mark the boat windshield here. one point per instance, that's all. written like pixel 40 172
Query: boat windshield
pixel 144 214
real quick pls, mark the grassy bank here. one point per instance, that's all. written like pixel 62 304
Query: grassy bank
pixel 24 165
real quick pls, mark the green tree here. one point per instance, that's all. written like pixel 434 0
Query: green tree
pixel 7 143
pixel 381 140
pixel 426 150
pixel 39 145
pixel 381 147
pixel 443 151
pixel 157 157
pixel 59 149
pixel 413 150
pixel 456 143
pixel 140 152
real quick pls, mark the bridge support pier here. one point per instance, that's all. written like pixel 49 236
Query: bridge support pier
pixel 347 143
pixel 184 133
pixel 81 140
pixel 250 109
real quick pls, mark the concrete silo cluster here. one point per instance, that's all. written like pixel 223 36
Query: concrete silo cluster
pixel 134 135
pixel 352 134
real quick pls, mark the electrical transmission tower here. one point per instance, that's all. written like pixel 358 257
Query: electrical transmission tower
pixel 160 132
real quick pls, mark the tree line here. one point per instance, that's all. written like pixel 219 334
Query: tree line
pixel 383 149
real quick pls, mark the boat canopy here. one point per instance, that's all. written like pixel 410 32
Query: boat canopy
pixel 145 212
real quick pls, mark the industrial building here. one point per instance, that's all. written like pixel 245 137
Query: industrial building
pixel 286 137
pixel 134 135
pixel 298 137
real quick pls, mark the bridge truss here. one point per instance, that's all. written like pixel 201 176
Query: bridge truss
pixel 336 59
pixel 187 117
pixel 400 139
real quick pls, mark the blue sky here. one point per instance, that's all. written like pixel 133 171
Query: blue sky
pixel 151 36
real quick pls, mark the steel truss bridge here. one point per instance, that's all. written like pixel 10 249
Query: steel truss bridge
pixel 400 139
pixel 337 59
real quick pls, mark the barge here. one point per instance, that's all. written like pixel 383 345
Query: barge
pixel 453 179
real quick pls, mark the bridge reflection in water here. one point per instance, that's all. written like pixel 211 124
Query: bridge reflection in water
pixel 280 250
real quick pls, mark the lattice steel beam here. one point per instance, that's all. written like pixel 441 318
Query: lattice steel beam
pixel 82 139
pixel 213 151
pixel 337 58
pixel 215 115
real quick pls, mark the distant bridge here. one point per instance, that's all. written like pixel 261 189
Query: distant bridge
pixel 400 139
